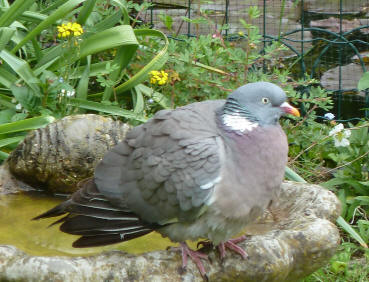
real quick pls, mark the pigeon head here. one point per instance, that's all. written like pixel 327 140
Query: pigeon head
pixel 254 104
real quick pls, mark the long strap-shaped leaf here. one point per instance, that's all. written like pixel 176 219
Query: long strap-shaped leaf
pixel 156 63
pixel 26 124
pixel 10 140
pixel 16 9
pixel 22 68
pixel 114 37
pixel 61 12
pixel 100 107
pixel 6 34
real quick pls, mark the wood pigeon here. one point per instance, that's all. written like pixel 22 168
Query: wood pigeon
pixel 204 170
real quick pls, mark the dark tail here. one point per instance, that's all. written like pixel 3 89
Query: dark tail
pixel 90 214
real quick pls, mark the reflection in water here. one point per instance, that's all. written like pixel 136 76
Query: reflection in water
pixel 35 238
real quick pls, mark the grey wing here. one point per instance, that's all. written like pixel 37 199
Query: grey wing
pixel 166 169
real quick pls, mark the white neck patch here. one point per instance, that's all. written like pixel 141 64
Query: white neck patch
pixel 239 123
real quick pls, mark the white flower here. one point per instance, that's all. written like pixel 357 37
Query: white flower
pixel 341 143
pixel 329 116
pixel 18 107
pixel 67 93
pixel 336 129
pixel 340 136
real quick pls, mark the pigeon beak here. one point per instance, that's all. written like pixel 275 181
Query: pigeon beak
pixel 287 108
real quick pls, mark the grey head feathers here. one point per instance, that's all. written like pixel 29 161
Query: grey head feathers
pixel 258 103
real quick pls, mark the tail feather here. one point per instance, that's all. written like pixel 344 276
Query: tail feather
pixel 80 224
pixel 90 214
pixel 55 211
pixel 107 239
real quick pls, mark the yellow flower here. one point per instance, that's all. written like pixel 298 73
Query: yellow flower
pixel 68 29
pixel 158 77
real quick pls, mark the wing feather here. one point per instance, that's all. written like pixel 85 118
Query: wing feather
pixel 177 155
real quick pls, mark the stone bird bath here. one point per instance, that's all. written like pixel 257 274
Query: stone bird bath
pixel 295 237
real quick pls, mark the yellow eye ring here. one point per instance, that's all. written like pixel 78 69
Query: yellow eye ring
pixel 265 100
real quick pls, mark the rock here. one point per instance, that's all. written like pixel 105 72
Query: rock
pixel 294 238
pixel 55 158
pixel 8 183
pixel 333 24
pixel 350 75
pixel 349 7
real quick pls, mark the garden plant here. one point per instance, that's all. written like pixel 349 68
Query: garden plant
pixel 60 58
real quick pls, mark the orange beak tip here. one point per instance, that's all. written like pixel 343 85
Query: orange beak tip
pixel 287 108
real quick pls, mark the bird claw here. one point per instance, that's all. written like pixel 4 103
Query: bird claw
pixel 196 257
pixel 232 245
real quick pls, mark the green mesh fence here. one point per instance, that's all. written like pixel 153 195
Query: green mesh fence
pixel 328 39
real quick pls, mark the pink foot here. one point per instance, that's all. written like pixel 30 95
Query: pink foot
pixel 232 245
pixel 196 257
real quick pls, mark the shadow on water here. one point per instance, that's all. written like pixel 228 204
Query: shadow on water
pixel 35 238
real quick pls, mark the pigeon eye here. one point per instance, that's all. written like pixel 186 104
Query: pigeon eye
pixel 265 100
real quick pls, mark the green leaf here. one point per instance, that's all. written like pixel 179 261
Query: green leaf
pixel 114 110
pixel 108 22
pixel 365 183
pixel 156 63
pixel 10 140
pixel 6 115
pixel 291 175
pixel 363 82
pixel 124 11
pixel 25 97
pixel 364 199
pixel 95 69
pixel 86 11
pixel 114 37
pixel 27 124
pixel 156 96
pixel 347 227
pixel 3 155
pixel 338 266
pixel 82 87
pixel 123 56
pixel 6 78
pixel 6 34
pixel 138 101
pixel 331 183
pixel 15 10
pixel 22 68
pixel 6 101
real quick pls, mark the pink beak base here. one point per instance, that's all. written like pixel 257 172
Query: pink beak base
pixel 287 108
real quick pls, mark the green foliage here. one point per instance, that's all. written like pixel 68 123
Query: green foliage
pixel 167 21
pixel 43 73
pixel 363 82
pixel 350 263
pixel 106 70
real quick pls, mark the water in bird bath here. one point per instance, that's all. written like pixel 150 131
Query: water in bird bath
pixel 35 238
